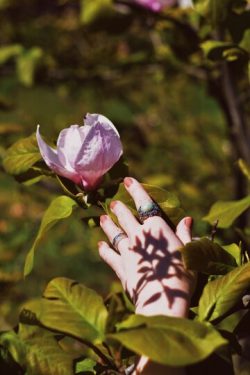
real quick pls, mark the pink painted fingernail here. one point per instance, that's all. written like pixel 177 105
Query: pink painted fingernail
pixel 128 181
pixel 113 204
pixel 103 218
pixel 188 221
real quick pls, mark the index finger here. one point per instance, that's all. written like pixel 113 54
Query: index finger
pixel 137 192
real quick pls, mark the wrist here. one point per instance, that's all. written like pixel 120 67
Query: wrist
pixel 159 299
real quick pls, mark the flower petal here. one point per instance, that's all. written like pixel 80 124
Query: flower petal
pixel 101 149
pixel 69 144
pixel 51 158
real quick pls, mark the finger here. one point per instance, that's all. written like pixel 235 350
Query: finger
pixel 112 259
pixel 125 217
pixel 137 192
pixel 184 229
pixel 112 230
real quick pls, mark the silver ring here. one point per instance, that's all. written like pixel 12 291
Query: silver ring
pixel 148 210
pixel 120 236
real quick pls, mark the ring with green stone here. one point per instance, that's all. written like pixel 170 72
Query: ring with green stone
pixel 148 210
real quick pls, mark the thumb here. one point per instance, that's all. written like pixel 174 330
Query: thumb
pixel 184 230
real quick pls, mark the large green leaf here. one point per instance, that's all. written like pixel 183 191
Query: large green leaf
pixel 22 155
pixel 70 308
pixel 168 340
pixel 44 356
pixel 60 208
pixel 167 201
pixel 220 295
pixel 208 257
pixel 227 212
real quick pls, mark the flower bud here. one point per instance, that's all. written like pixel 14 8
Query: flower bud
pixel 84 153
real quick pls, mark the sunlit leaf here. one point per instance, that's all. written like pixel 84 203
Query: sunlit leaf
pixel 91 9
pixel 216 10
pixel 44 356
pixel 60 208
pixel 168 340
pixel 87 365
pixel 167 201
pixel 220 295
pixel 235 251
pixel 11 342
pixel 227 212
pixel 22 155
pixel 208 257
pixel 70 308
pixel 6 52
pixel 245 168
pixel 26 65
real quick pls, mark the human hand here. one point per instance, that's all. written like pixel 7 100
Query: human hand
pixel 148 261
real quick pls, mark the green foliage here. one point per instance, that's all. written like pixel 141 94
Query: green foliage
pixel 220 295
pixel 168 340
pixel 83 311
pixel 60 208
pixel 227 212
pixel 92 9
pixel 22 155
pixel 208 257
pixel 151 74
pixel 26 65
pixel 86 365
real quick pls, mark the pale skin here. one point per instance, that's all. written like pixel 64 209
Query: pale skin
pixel 148 263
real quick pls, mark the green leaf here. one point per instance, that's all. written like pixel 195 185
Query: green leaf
pixel 87 365
pixel 27 62
pixel 10 51
pixel 44 356
pixel 168 340
pixel 208 257
pixel 235 251
pixel 22 155
pixel 60 208
pixel 227 212
pixel 70 308
pixel 11 342
pixel 213 49
pixel 217 10
pixel 245 168
pixel 90 9
pixel 220 295
pixel 167 201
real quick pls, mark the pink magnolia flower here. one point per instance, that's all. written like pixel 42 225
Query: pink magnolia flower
pixel 158 5
pixel 155 5
pixel 84 153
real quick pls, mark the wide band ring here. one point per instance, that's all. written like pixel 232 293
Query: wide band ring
pixel 148 210
pixel 120 236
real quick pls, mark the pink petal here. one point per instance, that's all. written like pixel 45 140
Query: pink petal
pixel 51 158
pixel 69 144
pixel 101 149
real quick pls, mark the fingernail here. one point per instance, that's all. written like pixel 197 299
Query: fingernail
pixel 112 204
pixel 188 221
pixel 99 243
pixel 103 218
pixel 128 181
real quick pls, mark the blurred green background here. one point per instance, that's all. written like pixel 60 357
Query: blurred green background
pixel 60 59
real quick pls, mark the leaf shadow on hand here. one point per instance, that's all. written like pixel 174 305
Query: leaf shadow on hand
pixel 158 264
